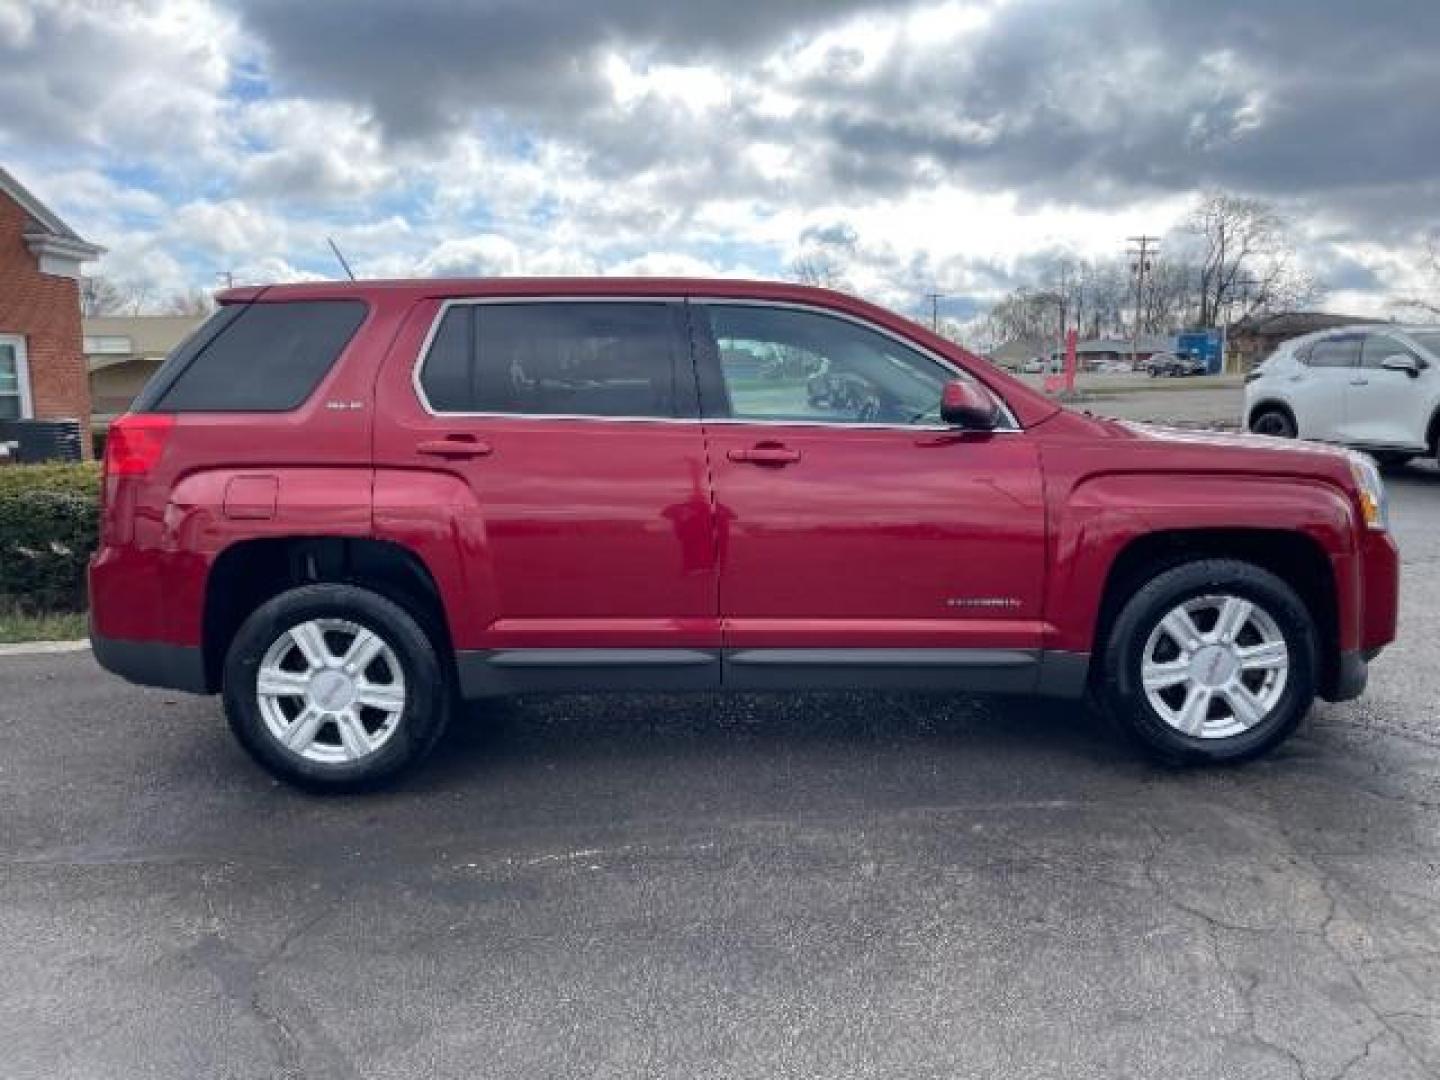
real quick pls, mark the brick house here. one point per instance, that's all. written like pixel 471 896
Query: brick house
pixel 42 366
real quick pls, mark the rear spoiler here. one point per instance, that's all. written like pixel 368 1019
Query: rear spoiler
pixel 240 294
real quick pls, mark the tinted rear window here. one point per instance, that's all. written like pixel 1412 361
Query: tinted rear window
pixel 256 358
pixel 559 358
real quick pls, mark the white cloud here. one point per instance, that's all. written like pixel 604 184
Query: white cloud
pixel 947 141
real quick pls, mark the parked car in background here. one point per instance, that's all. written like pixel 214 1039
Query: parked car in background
pixel 1375 388
pixel 1175 365
pixel 1034 366
pixel 429 491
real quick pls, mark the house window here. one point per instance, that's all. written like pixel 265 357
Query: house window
pixel 14 379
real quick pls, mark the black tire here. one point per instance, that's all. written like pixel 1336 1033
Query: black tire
pixel 427 689
pixel 1273 421
pixel 1124 696
pixel 1392 459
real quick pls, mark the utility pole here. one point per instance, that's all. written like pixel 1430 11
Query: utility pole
pixel 935 298
pixel 227 277
pixel 1244 285
pixel 1140 254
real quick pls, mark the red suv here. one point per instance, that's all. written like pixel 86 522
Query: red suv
pixel 346 506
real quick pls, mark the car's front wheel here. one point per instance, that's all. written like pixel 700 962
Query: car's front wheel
pixel 334 688
pixel 1211 661
pixel 1274 422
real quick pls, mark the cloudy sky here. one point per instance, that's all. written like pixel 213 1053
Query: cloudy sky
pixel 927 146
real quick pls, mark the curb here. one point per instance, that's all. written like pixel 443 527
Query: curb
pixel 42 648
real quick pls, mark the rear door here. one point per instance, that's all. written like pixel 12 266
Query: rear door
pixel 582 510
pixel 861 541
pixel 1388 407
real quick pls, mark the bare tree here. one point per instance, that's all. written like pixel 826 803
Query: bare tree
pixel 1424 307
pixel 190 302
pixel 1094 297
pixel 100 296
pixel 1246 261
pixel 1105 285
pixel 1171 296
pixel 819 268
pixel 1023 315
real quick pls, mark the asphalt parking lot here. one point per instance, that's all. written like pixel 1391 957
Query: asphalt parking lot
pixel 745 887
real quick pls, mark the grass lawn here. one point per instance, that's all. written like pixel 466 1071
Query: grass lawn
pixel 65 626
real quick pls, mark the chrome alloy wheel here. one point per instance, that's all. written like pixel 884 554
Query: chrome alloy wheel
pixel 330 691
pixel 1215 666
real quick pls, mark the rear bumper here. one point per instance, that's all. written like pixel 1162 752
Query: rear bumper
pixel 152 663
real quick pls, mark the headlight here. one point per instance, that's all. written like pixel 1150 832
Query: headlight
pixel 1373 503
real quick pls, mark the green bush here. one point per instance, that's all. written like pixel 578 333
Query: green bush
pixel 49 521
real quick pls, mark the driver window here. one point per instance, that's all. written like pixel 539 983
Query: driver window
pixel 788 364
pixel 1378 346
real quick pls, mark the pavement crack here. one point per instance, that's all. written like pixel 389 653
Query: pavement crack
pixel 1348 1067
pixel 1249 984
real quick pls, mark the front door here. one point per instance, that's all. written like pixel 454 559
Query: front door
pixel 1388 407
pixel 589 540
pixel 861 540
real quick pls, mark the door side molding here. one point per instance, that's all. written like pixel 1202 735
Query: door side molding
pixel 500 672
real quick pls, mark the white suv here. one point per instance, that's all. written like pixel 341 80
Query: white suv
pixel 1376 388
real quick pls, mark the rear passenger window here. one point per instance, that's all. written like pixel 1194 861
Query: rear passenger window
pixel 260 358
pixel 1335 352
pixel 555 359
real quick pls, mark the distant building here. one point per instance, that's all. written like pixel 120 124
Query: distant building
pixel 1097 352
pixel 1255 338
pixel 42 369
pixel 123 351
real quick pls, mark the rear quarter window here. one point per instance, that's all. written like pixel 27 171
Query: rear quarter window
pixel 263 357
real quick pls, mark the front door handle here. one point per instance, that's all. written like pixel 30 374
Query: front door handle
pixel 1359 382
pixel 455 446
pixel 773 454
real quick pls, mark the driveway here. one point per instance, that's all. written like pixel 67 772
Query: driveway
pixel 747 887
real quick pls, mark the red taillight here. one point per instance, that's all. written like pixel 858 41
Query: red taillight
pixel 136 442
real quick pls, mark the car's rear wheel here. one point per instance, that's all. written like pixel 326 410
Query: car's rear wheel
pixel 1274 422
pixel 334 688
pixel 1211 661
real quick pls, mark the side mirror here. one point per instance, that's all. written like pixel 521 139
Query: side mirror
pixel 965 405
pixel 1401 362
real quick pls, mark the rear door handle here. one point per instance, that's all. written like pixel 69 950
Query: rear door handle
pixel 1359 382
pixel 765 454
pixel 455 446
